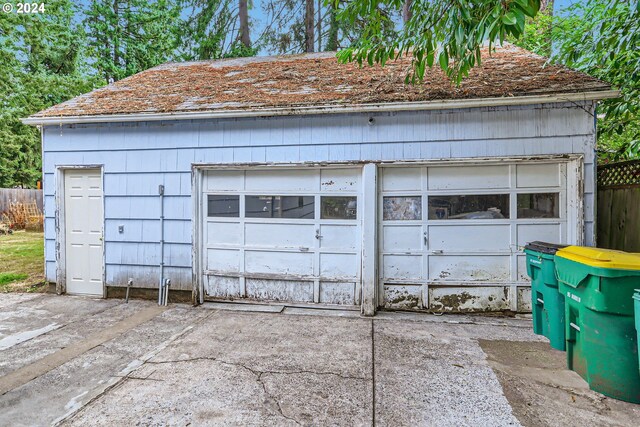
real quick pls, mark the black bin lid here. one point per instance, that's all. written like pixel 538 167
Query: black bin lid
pixel 544 247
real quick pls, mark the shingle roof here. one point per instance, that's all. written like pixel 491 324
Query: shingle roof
pixel 295 81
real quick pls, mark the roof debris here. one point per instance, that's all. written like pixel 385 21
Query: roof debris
pixel 310 80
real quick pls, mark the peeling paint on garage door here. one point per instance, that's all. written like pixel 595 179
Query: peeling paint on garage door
pixel 450 235
pixel 291 235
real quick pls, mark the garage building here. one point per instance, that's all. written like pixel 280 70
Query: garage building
pixel 298 180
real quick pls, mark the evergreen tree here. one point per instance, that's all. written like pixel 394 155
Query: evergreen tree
pixel 41 66
pixel 293 27
pixel 285 30
pixel 216 29
pixel 129 36
pixel 309 26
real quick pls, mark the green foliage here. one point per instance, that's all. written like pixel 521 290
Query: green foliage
pixel 618 146
pixel 599 37
pixel 48 58
pixel 77 46
pixel 284 31
pixel 239 50
pixel 537 35
pixel 129 36
pixel 333 30
pixel 206 34
pixel 211 31
pixel 602 38
pixel 41 66
pixel 444 32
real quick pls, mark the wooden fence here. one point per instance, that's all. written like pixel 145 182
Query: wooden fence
pixel 10 195
pixel 618 225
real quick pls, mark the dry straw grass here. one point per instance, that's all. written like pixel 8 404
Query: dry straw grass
pixel 23 216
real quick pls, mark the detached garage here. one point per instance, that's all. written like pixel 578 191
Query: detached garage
pixel 302 181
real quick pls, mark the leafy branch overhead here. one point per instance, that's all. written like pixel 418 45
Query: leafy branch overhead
pixel 602 38
pixel 448 33
pixel 77 46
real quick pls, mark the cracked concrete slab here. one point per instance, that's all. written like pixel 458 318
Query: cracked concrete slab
pixel 436 374
pixel 13 299
pixel 192 366
pixel 63 389
pixel 251 369
pixel 76 318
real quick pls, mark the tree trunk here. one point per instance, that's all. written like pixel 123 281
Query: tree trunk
pixel 319 26
pixel 309 36
pixel 116 41
pixel 406 11
pixel 332 34
pixel 243 12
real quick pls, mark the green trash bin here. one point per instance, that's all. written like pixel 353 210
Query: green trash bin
pixel 547 304
pixel 636 298
pixel 598 286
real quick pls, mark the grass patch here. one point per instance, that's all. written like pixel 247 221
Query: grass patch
pixel 22 262
pixel 6 278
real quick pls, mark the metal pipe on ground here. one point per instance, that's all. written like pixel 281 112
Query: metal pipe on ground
pixel 167 284
pixel 129 284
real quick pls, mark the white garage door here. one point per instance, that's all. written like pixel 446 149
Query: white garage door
pixel 450 234
pixel 282 235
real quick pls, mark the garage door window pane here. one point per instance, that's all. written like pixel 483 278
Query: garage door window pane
pixel 297 207
pixel 541 205
pixel 400 208
pixel 223 206
pixel 484 206
pixel 339 207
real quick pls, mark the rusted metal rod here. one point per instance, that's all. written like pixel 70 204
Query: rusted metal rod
pixel 129 284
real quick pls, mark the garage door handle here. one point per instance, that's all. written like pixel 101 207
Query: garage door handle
pixel 318 235
pixel 426 240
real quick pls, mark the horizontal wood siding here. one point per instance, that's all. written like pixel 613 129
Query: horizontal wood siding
pixel 137 157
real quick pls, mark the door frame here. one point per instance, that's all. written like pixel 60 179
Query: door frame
pixel 61 236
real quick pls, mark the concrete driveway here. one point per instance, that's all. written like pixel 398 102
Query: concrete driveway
pixel 78 361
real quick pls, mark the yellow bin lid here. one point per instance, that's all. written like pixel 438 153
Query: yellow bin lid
pixel 601 258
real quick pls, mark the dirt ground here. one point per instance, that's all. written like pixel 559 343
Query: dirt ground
pixel 83 361
pixel 542 392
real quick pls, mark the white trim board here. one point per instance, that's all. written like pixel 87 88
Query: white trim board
pixel 328 109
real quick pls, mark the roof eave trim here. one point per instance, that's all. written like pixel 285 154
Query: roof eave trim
pixel 329 109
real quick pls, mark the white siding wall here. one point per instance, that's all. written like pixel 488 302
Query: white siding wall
pixel 137 157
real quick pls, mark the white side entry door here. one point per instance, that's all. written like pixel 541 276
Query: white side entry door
pixel 83 218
